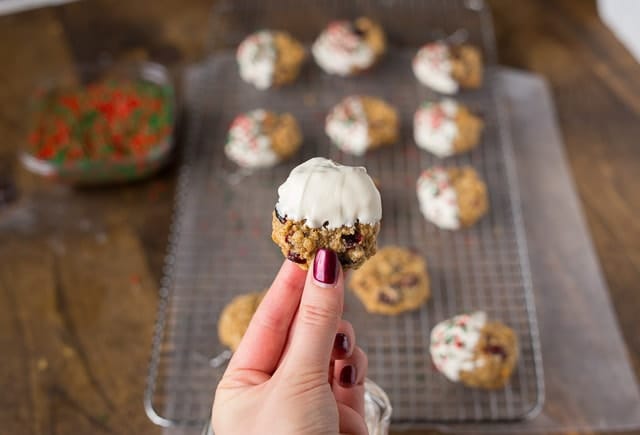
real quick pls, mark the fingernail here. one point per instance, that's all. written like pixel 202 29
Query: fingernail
pixel 348 376
pixel 325 266
pixel 341 344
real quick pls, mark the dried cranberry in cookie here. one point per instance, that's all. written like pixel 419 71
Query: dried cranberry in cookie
pixel 345 48
pixel 446 128
pixel 470 349
pixel 326 205
pixel 261 138
pixel 452 198
pixel 359 123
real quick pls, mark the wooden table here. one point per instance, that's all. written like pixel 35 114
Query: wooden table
pixel 79 269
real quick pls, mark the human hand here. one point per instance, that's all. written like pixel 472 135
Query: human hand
pixel 276 381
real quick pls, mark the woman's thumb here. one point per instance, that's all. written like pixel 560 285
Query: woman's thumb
pixel 316 324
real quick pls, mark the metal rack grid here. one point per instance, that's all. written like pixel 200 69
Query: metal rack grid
pixel 220 247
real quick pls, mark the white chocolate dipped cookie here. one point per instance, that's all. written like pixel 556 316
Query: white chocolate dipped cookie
pixel 446 68
pixel 446 128
pixel 346 48
pixel 326 205
pixel 261 138
pixel 469 348
pixel 452 198
pixel 269 58
pixel 360 123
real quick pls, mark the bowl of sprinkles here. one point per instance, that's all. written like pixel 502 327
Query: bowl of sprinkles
pixel 106 125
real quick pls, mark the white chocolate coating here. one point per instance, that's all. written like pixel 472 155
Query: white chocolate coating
pixel 453 342
pixel 347 126
pixel 432 66
pixel 256 58
pixel 435 128
pixel 320 191
pixel 438 198
pixel 339 50
pixel 247 144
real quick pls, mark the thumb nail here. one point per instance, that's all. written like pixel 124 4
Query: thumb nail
pixel 325 267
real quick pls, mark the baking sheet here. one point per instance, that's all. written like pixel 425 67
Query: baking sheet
pixel 585 390
pixel 571 403
pixel 223 248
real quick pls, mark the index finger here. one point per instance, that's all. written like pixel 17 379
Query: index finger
pixel 266 336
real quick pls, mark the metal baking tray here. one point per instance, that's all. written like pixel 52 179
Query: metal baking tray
pixel 220 242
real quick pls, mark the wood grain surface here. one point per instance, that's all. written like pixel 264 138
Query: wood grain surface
pixel 79 268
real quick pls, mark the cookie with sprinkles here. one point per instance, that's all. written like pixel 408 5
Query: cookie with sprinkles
pixel 452 198
pixel 446 128
pixel 235 318
pixel 394 281
pixel 360 123
pixel 269 58
pixel 446 68
pixel 347 48
pixel 471 349
pixel 261 138
pixel 323 204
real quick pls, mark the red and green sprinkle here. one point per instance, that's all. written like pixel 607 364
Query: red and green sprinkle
pixel 111 121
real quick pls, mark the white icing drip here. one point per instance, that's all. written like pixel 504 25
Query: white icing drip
pixel 257 59
pixel 435 128
pixel 453 342
pixel 338 50
pixel 438 198
pixel 320 191
pixel 347 126
pixel 432 66
pixel 247 144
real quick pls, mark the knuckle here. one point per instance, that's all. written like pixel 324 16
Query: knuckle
pixel 309 380
pixel 315 315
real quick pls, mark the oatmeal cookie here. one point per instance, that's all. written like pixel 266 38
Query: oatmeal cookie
pixel 446 128
pixel 394 281
pixel 347 48
pixel 452 198
pixel 261 138
pixel 361 123
pixel 445 68
pixel 469 348
pixel 270 58
pixel 235 317
pixel 326 205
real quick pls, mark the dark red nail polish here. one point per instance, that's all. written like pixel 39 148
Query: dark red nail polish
pixel 348 376
pixel 325 266
pixel 341 344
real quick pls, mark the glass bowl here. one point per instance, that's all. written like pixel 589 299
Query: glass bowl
pixel 105 123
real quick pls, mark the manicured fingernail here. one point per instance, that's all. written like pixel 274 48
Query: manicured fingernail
pixel 341 344
pixel 325 267
pixel 348 376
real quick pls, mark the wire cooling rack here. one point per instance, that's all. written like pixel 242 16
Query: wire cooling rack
pixel 220 242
